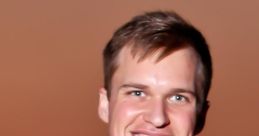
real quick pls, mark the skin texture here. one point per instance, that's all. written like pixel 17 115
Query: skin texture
pixel 150 98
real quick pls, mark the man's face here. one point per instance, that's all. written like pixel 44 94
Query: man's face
pixel 150 98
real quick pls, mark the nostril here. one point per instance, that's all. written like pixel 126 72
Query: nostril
pixel 161 121
pixel 157 116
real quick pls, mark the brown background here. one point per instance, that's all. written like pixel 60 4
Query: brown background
pixel 50 63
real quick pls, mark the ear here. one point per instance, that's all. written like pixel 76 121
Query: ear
pixel 103 109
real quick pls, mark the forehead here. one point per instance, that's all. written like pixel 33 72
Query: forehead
pixel 178 67
pixel 155 57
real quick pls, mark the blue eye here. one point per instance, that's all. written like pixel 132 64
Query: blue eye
pixel 178 98
pixel 137 93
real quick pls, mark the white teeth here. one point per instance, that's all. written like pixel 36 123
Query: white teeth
pixel 140 135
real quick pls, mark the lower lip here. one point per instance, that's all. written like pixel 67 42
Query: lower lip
pixel 139 135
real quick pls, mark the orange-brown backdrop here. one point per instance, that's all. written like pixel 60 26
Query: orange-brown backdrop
pixel 50 63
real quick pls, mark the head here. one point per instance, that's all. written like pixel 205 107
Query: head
pixel 157 75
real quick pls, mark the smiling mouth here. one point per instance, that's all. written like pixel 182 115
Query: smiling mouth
pixel 140 135
pixel 148 133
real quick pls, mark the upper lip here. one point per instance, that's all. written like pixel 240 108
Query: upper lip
pixel 150 132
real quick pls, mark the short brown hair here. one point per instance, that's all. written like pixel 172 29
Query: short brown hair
pixel 152 31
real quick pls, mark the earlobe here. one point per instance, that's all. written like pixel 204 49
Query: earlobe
pixel 103 109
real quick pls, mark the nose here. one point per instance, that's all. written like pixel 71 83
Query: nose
pixel 156 114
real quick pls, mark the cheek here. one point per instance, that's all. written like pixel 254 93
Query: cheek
pixel 126 108
pixel 125 111
pixel 184 120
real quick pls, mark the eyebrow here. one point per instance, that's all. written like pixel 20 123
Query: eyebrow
pixel 142 86
pixel 133 85
pixel 180 90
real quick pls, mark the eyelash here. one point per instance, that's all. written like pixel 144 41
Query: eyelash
pixel 179 98
pixel 175 98
pixel 137 93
